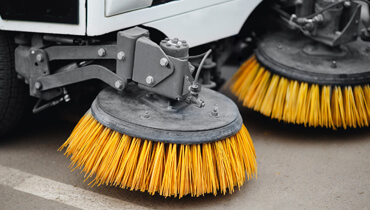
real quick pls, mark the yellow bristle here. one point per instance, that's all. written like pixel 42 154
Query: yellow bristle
pixel 269 99
pixel 290 109
pixel 299 102
pixel 277 109
pixel 168 169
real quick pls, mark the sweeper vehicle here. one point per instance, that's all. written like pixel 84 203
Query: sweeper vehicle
pixel 156 125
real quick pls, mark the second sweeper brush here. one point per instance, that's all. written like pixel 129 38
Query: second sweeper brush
pixel 296 80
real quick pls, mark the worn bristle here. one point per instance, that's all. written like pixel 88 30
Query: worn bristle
pixel 299 102
pixel 169 169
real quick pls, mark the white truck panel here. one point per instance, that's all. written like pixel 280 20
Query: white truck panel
pixel 54 28
pixel 114 7
pixel 196 21
pixel 207 24
pixel 98 23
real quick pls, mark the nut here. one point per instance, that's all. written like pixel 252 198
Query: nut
pixel 38 85
pixel 164 62
pixel 149 80
pixel 39 57
pixel 118 84
pixel 121 56
pixel 101 52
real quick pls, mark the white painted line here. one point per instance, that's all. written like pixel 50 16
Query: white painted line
pixel 59 192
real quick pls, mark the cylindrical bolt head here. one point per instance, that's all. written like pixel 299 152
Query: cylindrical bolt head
pixel 149 80
pixel 164 62
pixel 334 64
pixel 347 3
pixel 19 76
pixel 146 115
pixel 39 57
pixel 38 85
pixel 101 52
pixel 121 56
pixel 175 40
pixel 67 98
pixel 118 84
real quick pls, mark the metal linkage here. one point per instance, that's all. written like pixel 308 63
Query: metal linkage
pixel 329 22
pixel 160 69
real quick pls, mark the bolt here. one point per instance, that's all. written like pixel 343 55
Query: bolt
pixel 149 80
pixel 164 62
pixel 279 46
pixel 334 64
pixel 39 57
pixel 214 112
pixel 347 4
pixel 367 48
pixel 101 52
pixel 38 85
pixel 167 39
pixel 146 115
pixel 19 76
pixel 168 44
pixel 175 40
pixel 33 52
pixel 185 44
pixel 118 84
pixel 298 2
pixel 67 98
pixel 121 56
pixel 178 46
pixel 183 41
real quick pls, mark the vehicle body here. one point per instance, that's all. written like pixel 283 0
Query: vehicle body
pixel 33 27
pixel 198 22
pixel 64 42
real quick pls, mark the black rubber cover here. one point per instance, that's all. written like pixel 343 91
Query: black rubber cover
pixel 129 114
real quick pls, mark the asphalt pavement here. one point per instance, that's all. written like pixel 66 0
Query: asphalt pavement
pixel 298 168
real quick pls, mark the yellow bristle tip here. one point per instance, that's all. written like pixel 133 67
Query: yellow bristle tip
pixel 298 102
pixel 168 169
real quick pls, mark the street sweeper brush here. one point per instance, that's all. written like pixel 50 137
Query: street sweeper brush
pixel 160 131
pixel 295 79
pixel 126 141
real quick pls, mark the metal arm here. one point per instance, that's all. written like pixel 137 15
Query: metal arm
pixel 162 69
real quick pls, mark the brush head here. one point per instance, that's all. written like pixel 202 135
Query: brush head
pixel 125 140
pixel 296 57
pixel 137 112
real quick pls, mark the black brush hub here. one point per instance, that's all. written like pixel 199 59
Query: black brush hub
pixel 139 113
pixel 296 57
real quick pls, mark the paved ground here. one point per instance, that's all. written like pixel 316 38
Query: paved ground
pixel 298 168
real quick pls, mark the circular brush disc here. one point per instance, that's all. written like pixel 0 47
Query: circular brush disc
pixel 138 113
pixel 294 79
pixel 297 57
